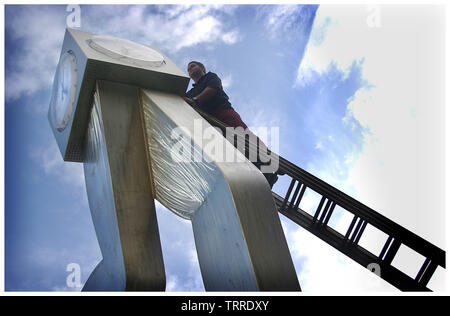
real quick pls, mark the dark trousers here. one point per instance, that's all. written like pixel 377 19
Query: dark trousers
pixel 231 118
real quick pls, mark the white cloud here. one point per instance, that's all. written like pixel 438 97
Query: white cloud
pixel 171 28
pixel 203 30
pixel 322 269
pixel 37 45
pixel 179 252
pixel 403 156
pixel 231 38
pixel 227 81
pixel 319 145
pixel 172 284
pixel 280 19
pixel 335 30
pixel 402 109
pixel 399 172
pixel 38 31
pixel 49 158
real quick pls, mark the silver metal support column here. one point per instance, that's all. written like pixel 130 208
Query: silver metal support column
pixel 120 196
pixel 239 238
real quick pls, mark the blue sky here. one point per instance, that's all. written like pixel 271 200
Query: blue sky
pixel 356 91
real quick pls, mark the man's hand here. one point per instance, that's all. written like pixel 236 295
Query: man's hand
pixel 189 100
pixel 206 94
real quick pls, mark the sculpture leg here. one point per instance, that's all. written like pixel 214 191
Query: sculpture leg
pixel 222 253
pixel 239 239
pixel 120 196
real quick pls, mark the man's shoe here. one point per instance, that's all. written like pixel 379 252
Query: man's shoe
pixel 271 178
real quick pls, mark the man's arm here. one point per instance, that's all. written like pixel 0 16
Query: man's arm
pixel 204 96
pixel 189 100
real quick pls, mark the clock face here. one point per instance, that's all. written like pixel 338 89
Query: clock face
pixel 64 91
pixel 126 50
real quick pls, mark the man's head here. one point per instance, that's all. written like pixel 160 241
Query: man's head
pixel 196 70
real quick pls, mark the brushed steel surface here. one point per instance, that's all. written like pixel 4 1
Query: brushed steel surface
pixel 120 195
pixel 223 254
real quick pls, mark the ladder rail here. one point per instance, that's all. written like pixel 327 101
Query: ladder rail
pixel 354 251
pixel 374 218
